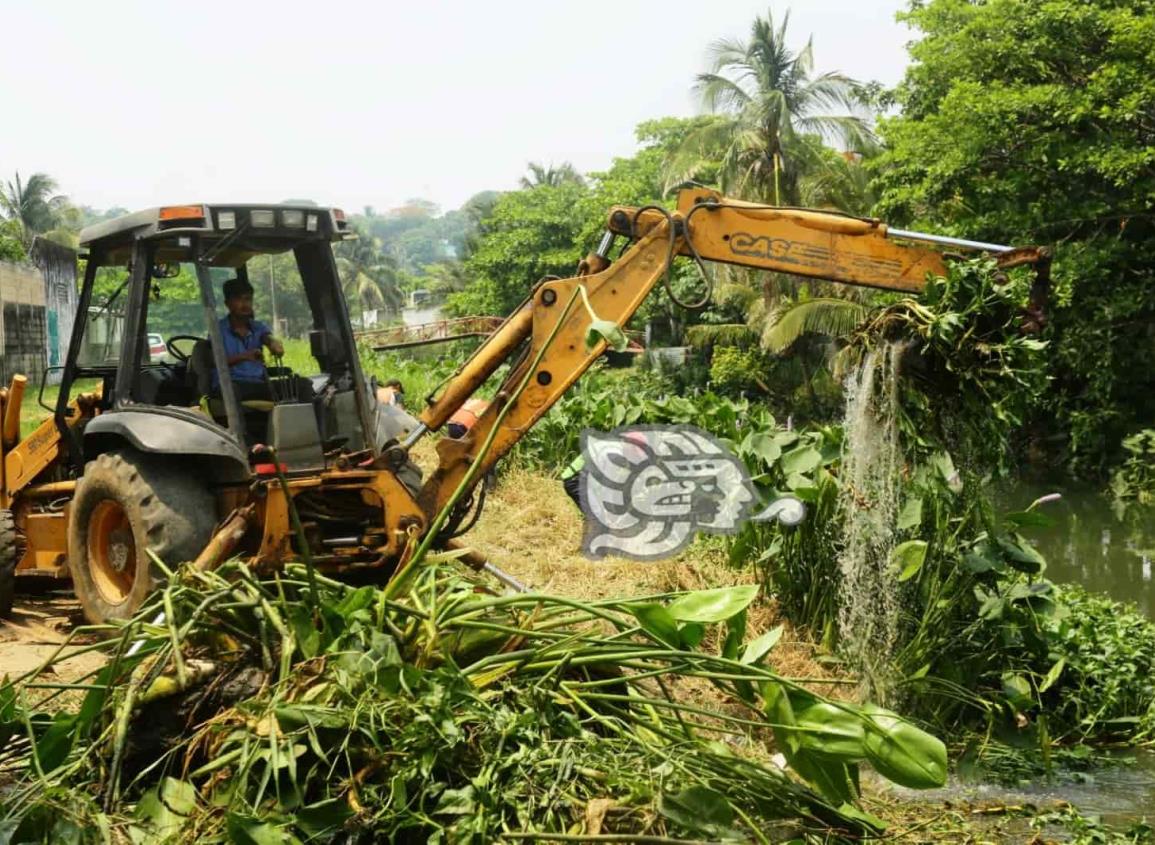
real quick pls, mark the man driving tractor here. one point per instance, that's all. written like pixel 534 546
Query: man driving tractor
pixel 244 341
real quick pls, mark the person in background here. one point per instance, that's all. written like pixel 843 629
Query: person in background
pixel 466 417
pixel 391 393
pixel 571 476
pixel 462 421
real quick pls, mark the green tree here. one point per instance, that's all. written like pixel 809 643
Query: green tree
pixel 637 181
pixel 547 228
pixel 446 277
pixel 1033 121
pixel 772 115
pixel 369 276
pixel 529 234
pixel 11 244
pixel 33 203
pixel 540 174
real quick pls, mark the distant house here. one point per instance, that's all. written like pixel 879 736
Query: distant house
pixel 38 302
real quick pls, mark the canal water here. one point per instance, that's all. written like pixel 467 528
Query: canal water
pixel 1088 545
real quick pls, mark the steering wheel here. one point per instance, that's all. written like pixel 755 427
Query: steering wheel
pixel 181 357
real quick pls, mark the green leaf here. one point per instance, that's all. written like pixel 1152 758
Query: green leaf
pixel 164 810
pixel 300 618
pixel 691 634
pixel 325 819
pixel 820 315
pixel 1017 689
pixel 834 779
pixel 179 795
pixel 657 621
pixel 799 484
pixel 1053 674
pixel 983 558
pixel 735 633
pixel 801 460
pixel 610 332
pixel 778 709
pixel 760 647
pixel 830 730
pixel 52 747
pixel 358 599
pixel 715 605
pixel 246 830
pixel 455 802
pixel 1021 555
pixel 762 444
pixel 699 809
pixel 901 752
pixel 942 462
pixel 909 558
pixel 911 514
pixel 1028 519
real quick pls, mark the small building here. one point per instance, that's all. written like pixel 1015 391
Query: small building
pixel 38 301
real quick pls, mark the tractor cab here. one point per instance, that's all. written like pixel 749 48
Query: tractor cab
pixel 156 450
pixel 167 385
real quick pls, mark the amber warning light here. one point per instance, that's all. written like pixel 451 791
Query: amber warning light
pixel 183 212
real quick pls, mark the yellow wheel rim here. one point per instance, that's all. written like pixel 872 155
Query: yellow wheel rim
pixel 111 552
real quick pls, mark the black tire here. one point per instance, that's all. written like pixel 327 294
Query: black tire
pixel 10 552
pixel 127 503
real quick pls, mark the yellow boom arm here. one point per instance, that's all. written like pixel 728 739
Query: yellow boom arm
pixel 555 320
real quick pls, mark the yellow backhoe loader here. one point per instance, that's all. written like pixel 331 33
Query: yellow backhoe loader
pixel 144 458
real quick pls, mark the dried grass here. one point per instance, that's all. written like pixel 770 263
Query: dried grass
pixel 532 530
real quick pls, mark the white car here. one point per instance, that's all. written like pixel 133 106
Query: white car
pixel 157 351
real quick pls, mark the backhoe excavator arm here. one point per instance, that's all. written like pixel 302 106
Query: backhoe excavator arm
pixel 551 326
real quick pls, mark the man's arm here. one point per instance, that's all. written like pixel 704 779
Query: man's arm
pixel 247 355
pixel 275 346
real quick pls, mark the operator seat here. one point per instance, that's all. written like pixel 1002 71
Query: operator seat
pixel 200 367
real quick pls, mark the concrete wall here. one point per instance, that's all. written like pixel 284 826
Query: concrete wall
pixel 57 265
pixel 38 302
pixel 22 321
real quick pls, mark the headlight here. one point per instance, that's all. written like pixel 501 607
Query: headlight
pixel 226 219
pixel 293 218
pixel 263 219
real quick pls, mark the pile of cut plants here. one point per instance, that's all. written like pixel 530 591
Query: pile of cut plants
pixel 300 709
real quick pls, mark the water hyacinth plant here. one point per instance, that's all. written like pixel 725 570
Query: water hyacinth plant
pixel 256 711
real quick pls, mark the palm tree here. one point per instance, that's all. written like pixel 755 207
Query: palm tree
pixel 773 116
pixel 34 204
pixel 551 176
pixel 446 277
pixel 369 275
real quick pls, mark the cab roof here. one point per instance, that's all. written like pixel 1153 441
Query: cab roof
pixel 230 232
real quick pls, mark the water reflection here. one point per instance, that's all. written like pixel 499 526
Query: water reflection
pixel 1088 545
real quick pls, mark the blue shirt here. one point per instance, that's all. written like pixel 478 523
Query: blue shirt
pixel 235 344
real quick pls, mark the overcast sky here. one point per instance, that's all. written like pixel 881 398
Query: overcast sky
pixel 137 104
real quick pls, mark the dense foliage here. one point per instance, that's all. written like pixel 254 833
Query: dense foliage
pixel 529 234
pixel 1133 483
pixel 984 641
pixel 1034 121
pixel 551 223
pixel 605 400
pixel 970 373
pixel 276 712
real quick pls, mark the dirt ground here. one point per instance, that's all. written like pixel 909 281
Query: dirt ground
pixel 36 633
